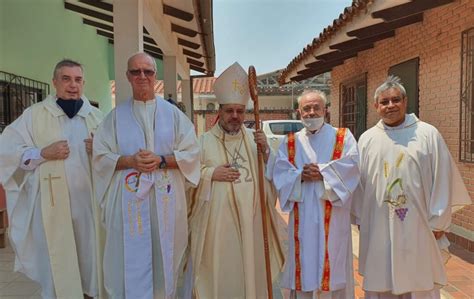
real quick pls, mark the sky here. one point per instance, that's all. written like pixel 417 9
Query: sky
pixel 268 33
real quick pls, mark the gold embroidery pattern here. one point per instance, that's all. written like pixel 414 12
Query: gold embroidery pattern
pixel 396 205
pixel 50 179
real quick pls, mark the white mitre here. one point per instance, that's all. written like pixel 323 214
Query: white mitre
pixel 232 86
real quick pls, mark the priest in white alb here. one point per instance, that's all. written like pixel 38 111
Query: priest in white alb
pixel 145 152
pixel 226 235
pixel 409 183
pixel 316 172
pixel 45 158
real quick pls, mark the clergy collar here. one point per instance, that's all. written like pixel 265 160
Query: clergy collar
pixel 219 132
pixel 147 102
pixel 410 120
pixel 224 131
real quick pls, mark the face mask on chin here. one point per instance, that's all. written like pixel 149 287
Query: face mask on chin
pixel 313 124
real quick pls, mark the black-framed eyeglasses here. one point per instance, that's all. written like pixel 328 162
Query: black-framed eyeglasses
pixel 146 72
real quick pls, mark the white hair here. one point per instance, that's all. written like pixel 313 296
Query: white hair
pixel 391 82
pixel 320 93
pixel 140 53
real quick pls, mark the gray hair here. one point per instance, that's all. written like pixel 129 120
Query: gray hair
pixel 66 63
pixel 391 82
pixel 140 53
pixel 320 93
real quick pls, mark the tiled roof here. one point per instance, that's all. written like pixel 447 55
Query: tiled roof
pixel 204 85
pixel 328 32
pixel 355 30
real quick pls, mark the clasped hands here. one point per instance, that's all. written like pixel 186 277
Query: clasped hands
pixel 311 173
pixel 59 150
pixel 145 161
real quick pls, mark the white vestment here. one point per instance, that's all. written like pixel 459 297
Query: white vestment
pixel 341 177
pixel 24 199
pixel 409 182
pixel 109 188
pixel 227 245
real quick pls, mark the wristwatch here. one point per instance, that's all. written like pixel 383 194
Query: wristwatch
pixel 162 164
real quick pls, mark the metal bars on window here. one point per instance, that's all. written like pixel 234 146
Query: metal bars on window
pixel 16 94
pixel 353 105
pixel 466 119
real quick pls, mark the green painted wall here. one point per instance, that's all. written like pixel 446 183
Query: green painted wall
pixel 36 34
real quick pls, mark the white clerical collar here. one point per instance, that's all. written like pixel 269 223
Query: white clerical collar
pixel 224 131
pixel 410 119
pixel 147 102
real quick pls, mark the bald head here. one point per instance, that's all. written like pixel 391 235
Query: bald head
pixel 140 56
pixel 141 73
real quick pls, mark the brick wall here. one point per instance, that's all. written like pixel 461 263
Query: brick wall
pixel 437 43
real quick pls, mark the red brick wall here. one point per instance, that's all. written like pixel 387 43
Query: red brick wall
pixel 437 43
pixel 3 203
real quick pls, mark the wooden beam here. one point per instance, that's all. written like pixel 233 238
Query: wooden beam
pixel 314 66
pixel 177 13
pixel 98 25
pixel 105 33
pixel 191 53
pixel 197 69
pixel 194 62
pixel 303 77
pixel 186 43
pixel 183 30
pixel 89 12
pixel 155 50
pixel 377 29
pixel 350 44
pixel 336 55
pixel 99 4
pixel 110 36
pixel 411 8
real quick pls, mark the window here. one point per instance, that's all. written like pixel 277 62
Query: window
pixel 285 128
pixel 353 105
pixel 408 72
pixel 16 94
pixel 466 132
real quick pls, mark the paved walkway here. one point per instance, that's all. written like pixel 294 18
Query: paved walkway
pixel 460 270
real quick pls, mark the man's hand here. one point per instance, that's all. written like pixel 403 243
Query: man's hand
pixel 58 150
pixel 145 161
pixel 261 140
pixel 311 173
pixel 88 143
pixel 225 173
pixel 438 234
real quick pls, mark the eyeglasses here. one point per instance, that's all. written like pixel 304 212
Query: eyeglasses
pixel 394 100
pixel 138 72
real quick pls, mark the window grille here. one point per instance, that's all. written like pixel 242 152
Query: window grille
pixel 466 119
pixel 353 105
pixel 16 94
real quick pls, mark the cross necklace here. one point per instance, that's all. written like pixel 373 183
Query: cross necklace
pixel 236 153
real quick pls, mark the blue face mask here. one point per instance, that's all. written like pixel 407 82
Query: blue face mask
pixel 313 124
pixel 70 107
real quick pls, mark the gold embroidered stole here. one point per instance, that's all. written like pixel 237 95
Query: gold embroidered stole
pixel 55 207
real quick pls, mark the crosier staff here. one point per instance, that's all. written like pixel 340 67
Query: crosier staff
pixel 261 182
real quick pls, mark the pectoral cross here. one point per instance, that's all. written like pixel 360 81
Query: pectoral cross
pixel 50 179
